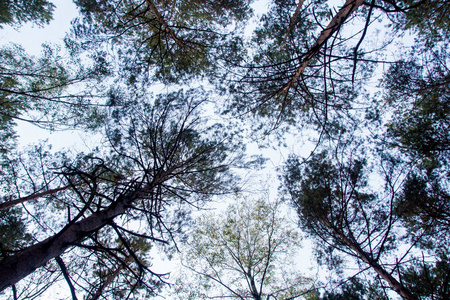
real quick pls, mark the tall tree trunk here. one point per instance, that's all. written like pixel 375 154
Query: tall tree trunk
pixel 367 258
pixel 349 7
pixel 255 293
pixel 17 267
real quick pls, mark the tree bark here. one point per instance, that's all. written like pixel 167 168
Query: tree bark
pixel 393 283
pixel 17 267
pixel 34 196
pixel 164 24
pixel 349 7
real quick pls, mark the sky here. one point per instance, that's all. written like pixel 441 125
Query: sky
pixel 31 37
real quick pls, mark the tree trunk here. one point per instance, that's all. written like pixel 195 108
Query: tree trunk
pixel 349 7
pixel 17 267
pixel 255 294
pixel 393 283
pixel 397 286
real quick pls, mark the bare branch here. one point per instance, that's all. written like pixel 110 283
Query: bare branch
pixel 291 23
pixel 66 276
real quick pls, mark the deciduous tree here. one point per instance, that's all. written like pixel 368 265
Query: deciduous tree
pixel 244 253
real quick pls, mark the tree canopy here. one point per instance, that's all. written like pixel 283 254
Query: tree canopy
pixel 174 91
pixel 17 12
pixel 245 253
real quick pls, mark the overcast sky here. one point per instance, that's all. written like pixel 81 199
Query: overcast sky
pixel 31 37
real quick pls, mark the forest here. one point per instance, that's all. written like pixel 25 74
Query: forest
pixel 186 101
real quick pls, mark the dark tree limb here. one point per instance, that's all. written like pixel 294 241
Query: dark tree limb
pixel 342 15
pixel 66 275
pixel 31 197
pixel 355 51
pixel 14 292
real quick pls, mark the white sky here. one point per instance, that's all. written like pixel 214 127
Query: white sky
pixel 32 37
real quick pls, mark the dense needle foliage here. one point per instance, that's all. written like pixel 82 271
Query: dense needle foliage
pixel 173 90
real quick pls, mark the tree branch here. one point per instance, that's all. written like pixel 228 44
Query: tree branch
pixel 291 23
pixel 66 276
pixel 164 24
pixel 34 196
pixel 349 7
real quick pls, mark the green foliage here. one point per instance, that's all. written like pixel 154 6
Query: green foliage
pixel 169 41
pixel 17 12
pixel 423 205
pixel 325 193
pixel 429 281
pixel 351 290
pixel 356 289
pixel 13 232
pixel 246 252
pixel 428 18
pixel 420 126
